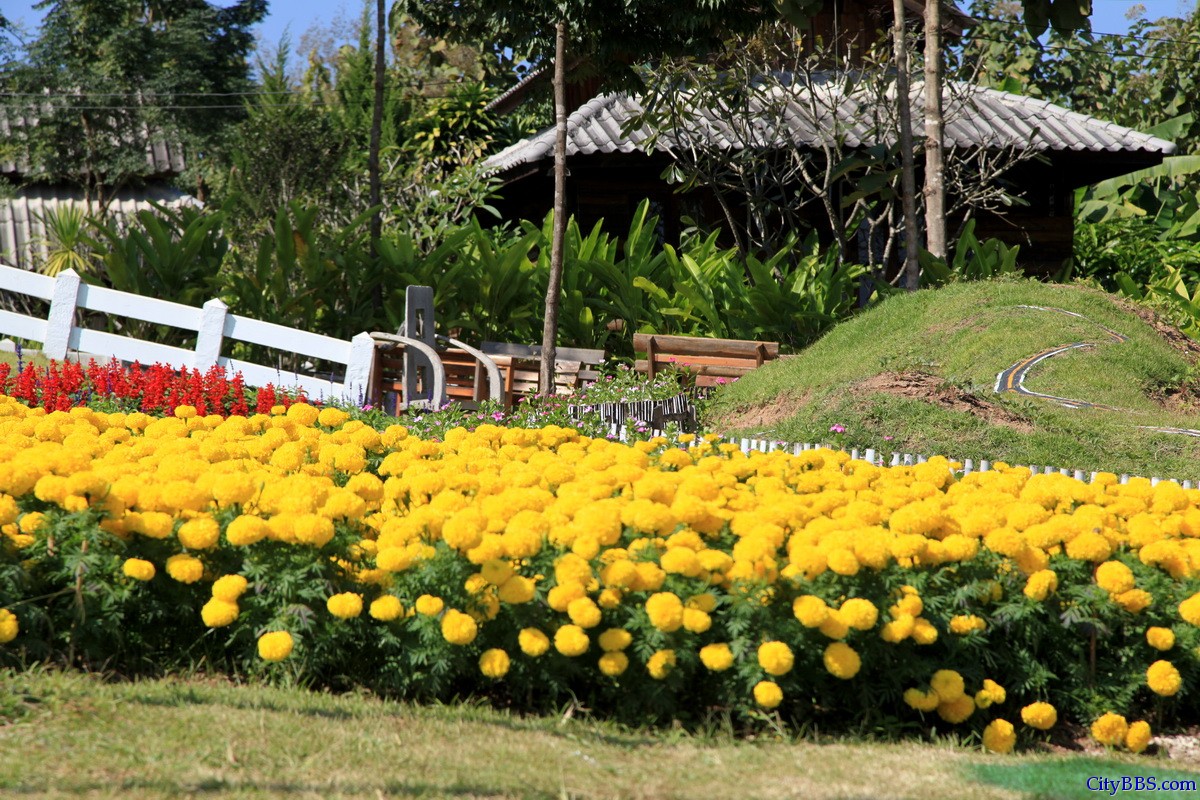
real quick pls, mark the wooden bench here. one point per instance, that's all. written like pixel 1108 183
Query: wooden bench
pixel 520 363
pixel 709 361
pixel 465 383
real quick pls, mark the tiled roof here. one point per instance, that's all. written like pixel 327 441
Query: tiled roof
pixel 974 116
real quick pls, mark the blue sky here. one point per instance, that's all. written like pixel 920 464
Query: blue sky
pixel 298 16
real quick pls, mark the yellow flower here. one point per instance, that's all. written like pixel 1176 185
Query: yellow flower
pixel 229 587
pixel 696 621
pixel 218 613
pixel 991 694
pixel 493 663
pixel 661 664
pixel 964 624
pixel 999 736
pixel 1041 584
pixel 138 569
pixel 1134 601
pixel 842 661
pixel 1110 729
pixel 615 639
pixel 584 612
pixel 1160 638
pixel 1189 609
pixel 429 606
pixel 9 626
pixel 346 605
pixel 302 413
pixel 201 533
pixel 859 613
pixel 571 640
pixel 533 642
pixel 924 631
pixel 775 658
pixel 921 701
pixel 810 610
pixel 275 646
pixel 1042 716
pixel 716 657
pixel 1137 738
pixel 956 710
pixel 947 684
pixel 665 610
pixel 386 608
pixel 331 417
pixel 246 530
pixel 1114 577
pixel 459 628
pixel 614 663
pixel 1163 678
pixel 768 694
pixel 185 568
pixel 517 589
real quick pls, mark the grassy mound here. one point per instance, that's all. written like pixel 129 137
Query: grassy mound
pixel 921 369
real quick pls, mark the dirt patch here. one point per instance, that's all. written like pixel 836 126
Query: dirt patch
pixel 765 415
pixel 1171 335
pixel 932 389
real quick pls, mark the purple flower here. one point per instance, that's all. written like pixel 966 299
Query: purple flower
pixel 837 428
pixel 888 438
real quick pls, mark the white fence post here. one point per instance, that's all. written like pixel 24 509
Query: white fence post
pixel 211 334
pixel 358 369
pixel 62 315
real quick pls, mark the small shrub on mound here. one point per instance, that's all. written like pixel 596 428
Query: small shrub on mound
pixel 646 581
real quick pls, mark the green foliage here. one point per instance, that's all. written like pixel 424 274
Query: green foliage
pixel 973 260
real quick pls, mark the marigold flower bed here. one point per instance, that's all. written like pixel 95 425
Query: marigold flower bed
pixel 649 581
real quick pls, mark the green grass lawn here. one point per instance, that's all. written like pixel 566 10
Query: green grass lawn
pixel 965 335
pixel 71 735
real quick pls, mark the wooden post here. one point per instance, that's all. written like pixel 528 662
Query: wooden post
pixel 211 334
pixel 358 370
pixel 62 315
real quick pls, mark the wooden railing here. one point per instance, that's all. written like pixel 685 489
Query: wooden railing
pixel 212 323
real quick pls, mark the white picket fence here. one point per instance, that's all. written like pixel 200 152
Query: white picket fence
pixel 212 323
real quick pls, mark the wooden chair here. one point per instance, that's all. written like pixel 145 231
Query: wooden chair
pixel 520 364
pixel 709 361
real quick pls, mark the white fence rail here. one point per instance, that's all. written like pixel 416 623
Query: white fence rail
pixel 213 325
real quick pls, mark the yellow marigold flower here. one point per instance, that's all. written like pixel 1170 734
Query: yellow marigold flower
pixel 705 601
pixel 332 417
pixel 843 562
pixel 1041 584
pixel 571 640
pixel 218 613
pixel 1189 609
pixel 957 710
pixel 245 530
pixel 991 694
pixel 1137 738
pixel 661 664
pixel 665 610
pixel 921 701
pixel 615 639
pixel 584 612
pixel 609 598
pixel 517 589
pixel 137 568
pixel 999 736
pixel 496 571
pixel 696 621
pixel 859 613
pixel 1160 638
pixel 533 642
pixel 185 412
pixel 775 658
pixel 923 631
pixel 9 626
pixel 386 608
pixel 834 627
pixel 1110 729
pixel 275 646
pixel 429 606
pixel 494 663
pixel 346 605
pixel 1089 546
pixel 1114 577
pixel 768 694
pixel 1163 678
pixel 681 561
pixel 810 610
pixel 614 663
pixel 948 685
pixel 459 628
pixel 32 522
pixel 716 657
pixel 559 597
pixel 229 587
pixel 910 604
pixel 1134 601
pixel 842 661
pixel 898 629
pixel 185 568
pixel 1042 716
pixel 302 413
pixel 964 624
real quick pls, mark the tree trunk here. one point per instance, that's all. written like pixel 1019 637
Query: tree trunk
pixel 373 148
pixel 908 170
pixel 558 239
pixel 935 189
